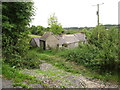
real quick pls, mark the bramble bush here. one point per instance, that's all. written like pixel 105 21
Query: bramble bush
pixel 101 51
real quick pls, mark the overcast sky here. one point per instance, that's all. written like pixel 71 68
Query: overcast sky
pixel 75 13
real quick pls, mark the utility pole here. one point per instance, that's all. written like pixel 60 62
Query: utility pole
pixel 98 14
pixel 98 17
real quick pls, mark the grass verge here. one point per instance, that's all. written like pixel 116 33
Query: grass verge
pixel 18 78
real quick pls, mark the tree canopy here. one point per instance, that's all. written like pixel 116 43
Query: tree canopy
pixel 55 27
pixel 37 30
pixel 15 19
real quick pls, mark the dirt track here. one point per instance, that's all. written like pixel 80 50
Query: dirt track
pixel 54 77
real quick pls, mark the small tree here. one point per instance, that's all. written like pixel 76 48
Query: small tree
pixel 55 27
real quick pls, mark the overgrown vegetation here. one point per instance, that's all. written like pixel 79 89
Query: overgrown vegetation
pixel 101 51
pixel 11 73
pixel 15 40
pixel 18 78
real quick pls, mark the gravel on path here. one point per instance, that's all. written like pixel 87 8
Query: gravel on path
pixel 6 83
pixel 57 78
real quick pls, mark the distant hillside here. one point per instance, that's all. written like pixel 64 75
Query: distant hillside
pixel 77 28
pixel 107 26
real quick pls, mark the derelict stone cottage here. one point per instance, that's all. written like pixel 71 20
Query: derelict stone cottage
pixel 49 40
pixel 81 37
pixel 70 41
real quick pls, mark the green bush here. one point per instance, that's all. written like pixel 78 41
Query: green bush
pixel 101 51
pixel 15 20
pixel 30 60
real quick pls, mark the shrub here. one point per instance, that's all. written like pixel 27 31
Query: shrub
pixel 15 20
pixel 31 60
pixel 101 52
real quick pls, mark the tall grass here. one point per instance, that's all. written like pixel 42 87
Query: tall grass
pixel 30 60
pixel 11 73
